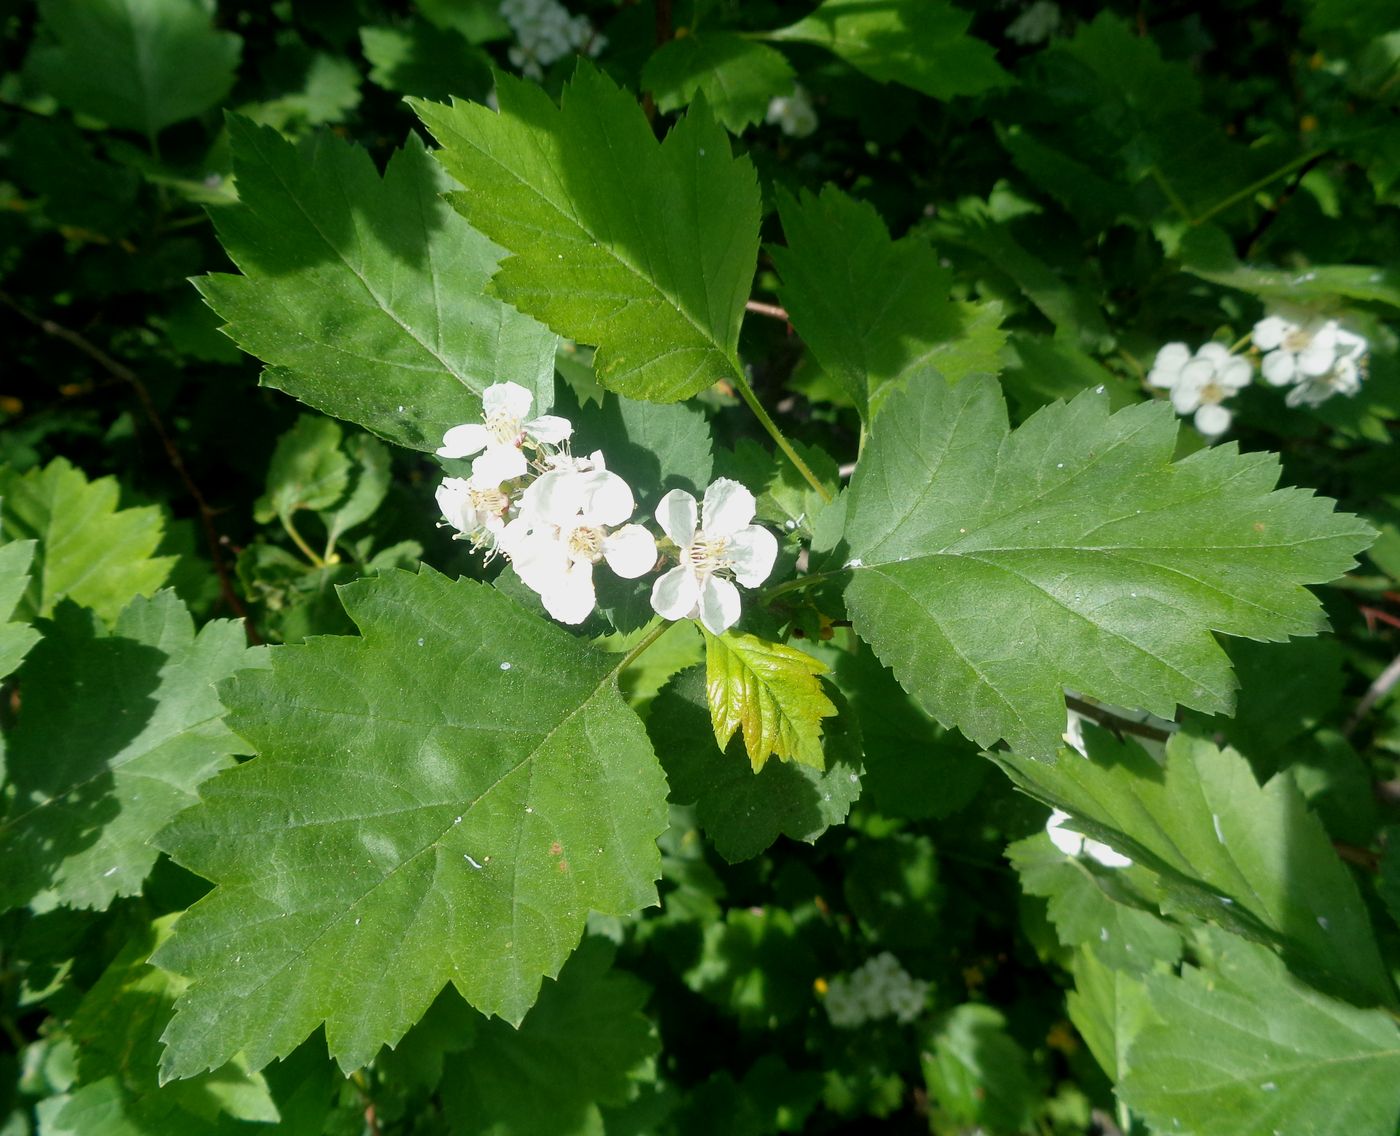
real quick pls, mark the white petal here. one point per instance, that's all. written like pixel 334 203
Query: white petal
pixel 549 428
pixel 1349 343
pixel 572 598
pixel 1215 353
pixel 1186 397
pixel 1163 378
pixel 1066 840
pixel 508 399
pixel 1235 373
pixel 752 551
pixel 498 465
pixel 676 516
pixel 1304 392
pixel 728 507
pixel 1317 357
pixel 463 441
pixel 540 561
pixel 675 594
pixel 1270 331
pixel 1172 357
pixel 719 605
pixel 1278 368
pixel 1346 378
pixel 630 551
pixel 607 498
pixel 1212 419
pixel 557 497
pixel 452 496
pixel 1097 850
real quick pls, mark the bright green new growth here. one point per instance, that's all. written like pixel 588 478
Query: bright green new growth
pixel 115 733
pixel 136 64
pixel 444 799
pixel 769 690
pixel 992 569
pixel 365 295
pixel 89 551
pixel 645 249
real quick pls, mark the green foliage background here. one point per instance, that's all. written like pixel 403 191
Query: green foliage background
pixel 410 859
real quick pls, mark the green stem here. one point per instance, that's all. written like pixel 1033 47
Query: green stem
pixel 1253 188
pixel 306 551
pixel 1241 341
pixel 746 393
pixel 636 652
pixel 796 584
pixel 1166 188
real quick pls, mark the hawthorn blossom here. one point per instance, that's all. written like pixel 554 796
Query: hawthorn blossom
pixel 724 543
pixel 793 114
pixel 1317 359
pixel 1073 843
pixel 477 512
pixel 569 522
pixel 878 988
pixel 501 440
pixel 546 32
pixel 1200 383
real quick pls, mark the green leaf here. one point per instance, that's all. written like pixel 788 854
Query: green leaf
pixel 992 569
pixel 645 249
pixel 737 76
pixel 1251 858
pixel 1095 908
pixel 744 812
pixel 1108 1007
pixel 372 480
pixel 920 43
pixel 1242 1046
pixel 572 1053
pixel 873 311
pixel 894 888
pixel 769 690
pixel 307 471
pixel 136 64
pixel 16 635
pixel 443 799
pixel 115 733
pixel 757 965
pixel 117 1029
pixel 344 286
pixel 977 1074
pixel 420 59
pixel 654 448
pixel 89 550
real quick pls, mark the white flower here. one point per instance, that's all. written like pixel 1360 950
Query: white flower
pixel 477 512
pixel 725 543
pixel 1343 378
pixel 503 435
pixel 1073 843
pixel 565 527
pixel 878 988
pixel 793 114
pixel 1036 24
pixel 1166 368
pixel 546 32
pixel 1211 376
pixel 1317 359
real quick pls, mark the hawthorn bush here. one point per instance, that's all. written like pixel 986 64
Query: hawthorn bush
pixel 697 567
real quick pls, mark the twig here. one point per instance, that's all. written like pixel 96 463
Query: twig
pixel 758 307
pixel 1361 857
pixel 1271 214
pixel 1112 721
pixel 172 452
pixel 1374 693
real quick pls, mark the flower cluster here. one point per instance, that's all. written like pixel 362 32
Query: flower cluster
pixel 1315 359
pixel 878 988
pixel 556 517
pixel 793 114
pixel 546 32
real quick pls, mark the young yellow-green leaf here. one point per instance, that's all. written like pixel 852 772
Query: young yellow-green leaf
pixel 991 569
pixel 573 1052
pixel 738 76
pixel 137 64
pixel 977 1074
pixel 117 1033
pixel 365 295
pixel 1243 1046
pixel 1253 859
pixel 744 811
pixel 645 249
pixel 307 471
pixel 442 799
pixel 16 635
pixel 115 732
pixel 873 311
pixel 922 44
pixel 769 690
pixel 89 550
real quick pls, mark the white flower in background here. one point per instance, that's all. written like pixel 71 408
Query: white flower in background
pixel 878 988
pixel 1202 383
pixel 545 32
pixel 793 114
pixel 1073 843
pixel 1317 359
pixel 501 439
pixel 567 524
pixel 1036 24
pixel 476 512
pixel 723 543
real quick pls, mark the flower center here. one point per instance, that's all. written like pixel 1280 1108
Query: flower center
pixel 490 501
pixel 1212 392
pixel 586 543
pixel 505 429
pixel 708 554
pixel 1297 340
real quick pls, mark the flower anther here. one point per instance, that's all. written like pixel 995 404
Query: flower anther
pixel 501 438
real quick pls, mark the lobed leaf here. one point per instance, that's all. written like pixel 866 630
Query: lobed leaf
pixel 771 692
pixel 443 799
pixel 737 76
pixel 991 569
pixel 89 551
pixel 16 635
pixel 645 249
pixel 365 295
